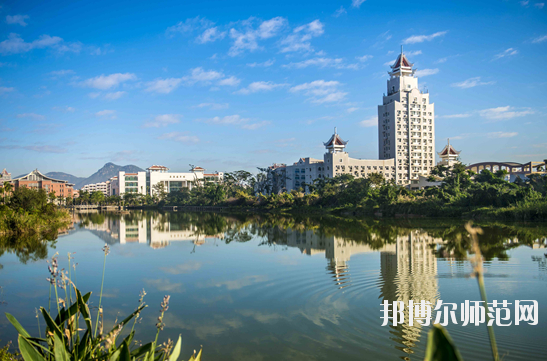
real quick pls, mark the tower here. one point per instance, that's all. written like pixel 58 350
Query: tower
pixel 406 124
pixel 335 144
pixel 449 156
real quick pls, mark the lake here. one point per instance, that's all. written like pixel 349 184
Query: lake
pixel 265 287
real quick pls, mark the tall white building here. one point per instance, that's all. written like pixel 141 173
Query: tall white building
pixel 406 124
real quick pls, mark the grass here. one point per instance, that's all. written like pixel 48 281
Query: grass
pixel 72 336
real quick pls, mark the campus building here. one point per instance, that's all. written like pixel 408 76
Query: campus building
pixel 147 182
pixel 336 161
pixel 406 141
pixel 406 124
pixel 37 180
pixel 97 187
pixel 5 177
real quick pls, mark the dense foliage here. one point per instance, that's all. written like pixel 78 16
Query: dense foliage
pixel 461 192
pixel 30 212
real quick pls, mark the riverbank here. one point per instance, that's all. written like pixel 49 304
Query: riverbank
pixel 27 212
pixel 532 211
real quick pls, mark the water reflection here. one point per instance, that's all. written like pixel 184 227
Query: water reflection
pixel 408 254
pixel 157 230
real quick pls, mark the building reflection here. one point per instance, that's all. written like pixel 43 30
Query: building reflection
pixel 154 231
pixel 408 270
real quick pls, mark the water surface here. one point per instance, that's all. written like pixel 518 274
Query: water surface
pixel 275 288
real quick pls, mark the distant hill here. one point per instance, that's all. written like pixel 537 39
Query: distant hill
pixel 65 176
pixel 108 171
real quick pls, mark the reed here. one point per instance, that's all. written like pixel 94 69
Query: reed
pixel 64 340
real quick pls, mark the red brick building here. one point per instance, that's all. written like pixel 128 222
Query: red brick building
pixel 37 180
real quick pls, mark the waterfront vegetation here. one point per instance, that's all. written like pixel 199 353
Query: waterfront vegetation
pixel 461 193
pixel 72 335
pixel 30 214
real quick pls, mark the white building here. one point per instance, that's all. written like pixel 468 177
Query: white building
pixel 406 124
pixel 336 161
pixel 97 187
pixel 146 182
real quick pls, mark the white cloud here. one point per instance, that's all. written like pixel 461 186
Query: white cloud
pixel 363 58
pixel 339 12
pixel 104 82
pixel 228 120
pixel 508 52
pixel 472 82
pixel 320 91
pixel 58 73
pixel 94 95
pixel 260 86
pixel 14 44
pixel 270 28
pixel 4 89
pixel 352 109
pixel 236 120
pixel 163 121
pixel 413 53
pixel 214 106
pixel 34 116
pixel 540 39
pixel 426 72
pixel 539 5
pixel 370 122
pixel 247 39
pixel 254 126
pixel 524 3
pixel 502 134
pixel 65 109
pixel 357 3
pixel 453 116
pixel 114 95
pixel 163 86
pixel 182 137
pixel 441 60
pixel 188 26
pixel 17 19
pixel 337 63
pixel 299 40
pixel 265 64
pixel 210 35
pixel 197 76
pixel 200 75
pixel 421 38
pixel 504 113
pixel 231 81
pixel 111 114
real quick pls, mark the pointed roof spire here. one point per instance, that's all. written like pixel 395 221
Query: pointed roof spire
pixel 335 143
pixel 402 65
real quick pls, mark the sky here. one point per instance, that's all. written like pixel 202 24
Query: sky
pixel 243 84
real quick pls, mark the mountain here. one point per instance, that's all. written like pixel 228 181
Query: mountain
pixel 65 176
pixel 108 171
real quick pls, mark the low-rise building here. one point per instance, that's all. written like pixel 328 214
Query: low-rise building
pixel 5 177
pixel 37 180
pixel 336 161
pixel 147 183
pixel 97 187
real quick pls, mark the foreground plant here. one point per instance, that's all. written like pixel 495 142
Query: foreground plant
pixel 440 346
pixel 65 339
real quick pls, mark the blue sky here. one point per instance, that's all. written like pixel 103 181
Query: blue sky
pixel 236 85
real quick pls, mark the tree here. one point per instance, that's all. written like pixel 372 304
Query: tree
pixel 52 197
pixel 159 191
pixel 97 197
pixel 7 188
pixel 376 179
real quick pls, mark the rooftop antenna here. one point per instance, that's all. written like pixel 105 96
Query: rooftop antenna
pixel 335 130
pixel 401 49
